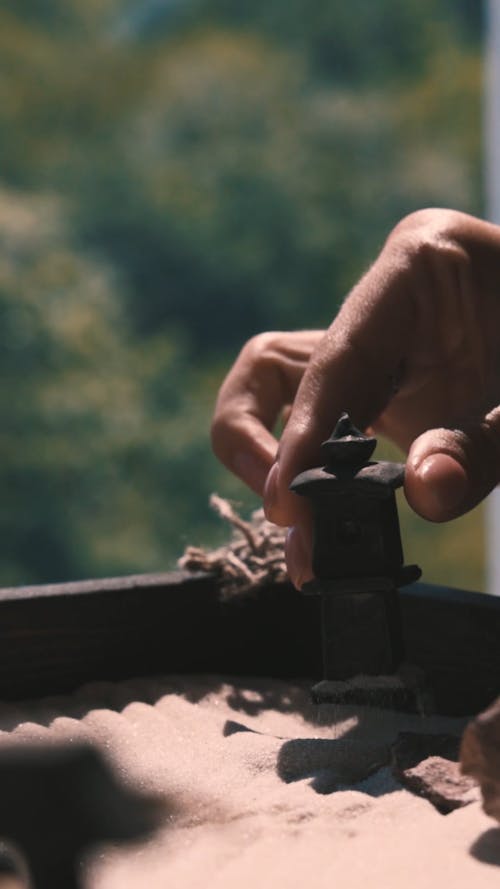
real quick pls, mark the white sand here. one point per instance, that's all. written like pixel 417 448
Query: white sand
pixel 269 790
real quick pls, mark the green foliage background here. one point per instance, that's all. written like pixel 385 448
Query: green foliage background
pixel 174 177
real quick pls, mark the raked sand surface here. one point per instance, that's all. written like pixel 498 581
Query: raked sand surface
pixel 267 790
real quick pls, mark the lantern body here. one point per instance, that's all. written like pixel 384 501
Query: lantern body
pixel 355 521
pixel 356 534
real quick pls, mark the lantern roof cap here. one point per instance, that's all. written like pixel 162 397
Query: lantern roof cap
pixel 347 446
pixel 348 466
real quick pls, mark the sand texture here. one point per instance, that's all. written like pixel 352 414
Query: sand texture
pixel 266 789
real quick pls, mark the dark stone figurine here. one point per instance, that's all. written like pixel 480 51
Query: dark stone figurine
pixel 357 556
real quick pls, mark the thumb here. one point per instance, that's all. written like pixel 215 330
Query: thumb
pixel 449 471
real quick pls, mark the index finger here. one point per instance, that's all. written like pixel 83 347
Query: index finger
pixel 353 369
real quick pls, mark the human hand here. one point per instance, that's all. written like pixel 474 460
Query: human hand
pixel 414 353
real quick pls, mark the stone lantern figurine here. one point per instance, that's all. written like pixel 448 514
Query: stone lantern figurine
pixel 357 563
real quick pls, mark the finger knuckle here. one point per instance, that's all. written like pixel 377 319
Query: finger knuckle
pixel 429 233
pixel 427 224
pixel 260 346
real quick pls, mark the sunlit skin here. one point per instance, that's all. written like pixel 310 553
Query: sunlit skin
pixel 414 353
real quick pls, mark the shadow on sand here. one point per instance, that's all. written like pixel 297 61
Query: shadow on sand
pixel 487 847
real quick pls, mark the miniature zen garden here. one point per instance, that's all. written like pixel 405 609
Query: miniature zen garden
pixel 176 177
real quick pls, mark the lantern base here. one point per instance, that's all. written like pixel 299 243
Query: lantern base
pixel 403 691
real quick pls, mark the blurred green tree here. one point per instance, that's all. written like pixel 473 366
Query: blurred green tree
pixel 101 435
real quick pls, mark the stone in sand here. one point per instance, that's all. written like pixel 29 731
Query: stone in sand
pixel 440 781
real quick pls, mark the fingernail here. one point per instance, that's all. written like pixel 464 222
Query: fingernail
pixel 298 557
pixel 445 482
pixel 271 491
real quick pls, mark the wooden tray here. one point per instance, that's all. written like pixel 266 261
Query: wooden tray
pixel 55 637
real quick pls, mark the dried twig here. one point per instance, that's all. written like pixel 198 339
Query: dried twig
pixel 254 556
pixel 226 511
